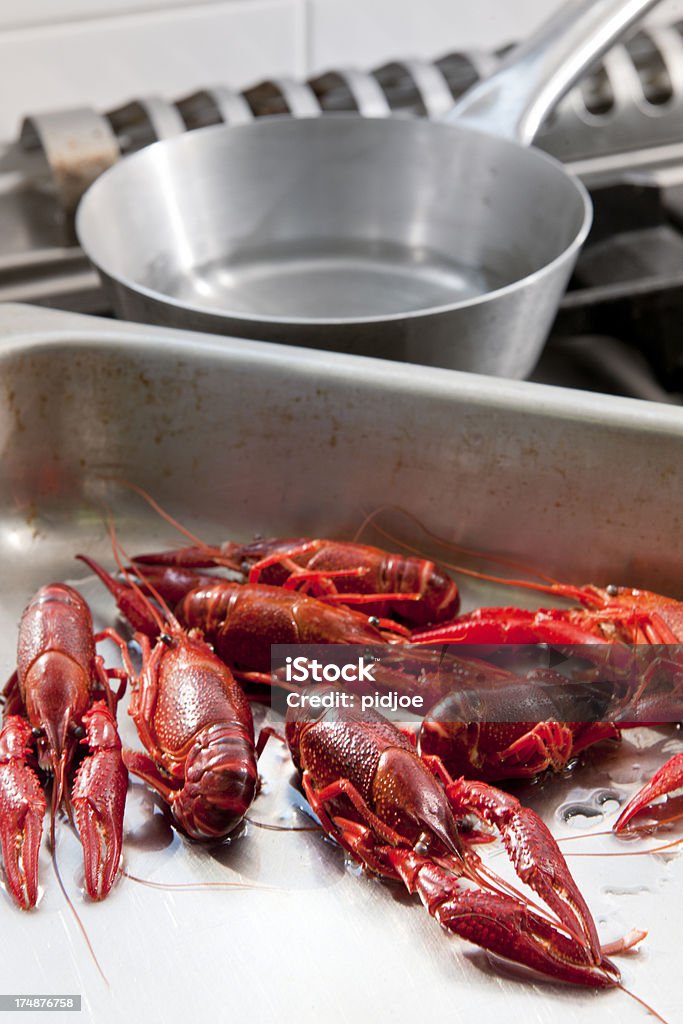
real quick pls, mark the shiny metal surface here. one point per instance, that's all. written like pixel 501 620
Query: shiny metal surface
pixel 365 91
pixel 78 145
pixel 636 94
pixel 236 438
pixel 230 105
pixel 406 240
pixel 378 270
pixel 429 81
pixel 146 120
pixel 514 101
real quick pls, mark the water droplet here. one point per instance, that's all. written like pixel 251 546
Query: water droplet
pixel 667 857
pixel 79 882
pixel 607 800
pixel 606 796
pixel 580 815
pixel 352 866
pixel 625 890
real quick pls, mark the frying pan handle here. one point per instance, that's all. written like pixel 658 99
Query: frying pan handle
pixel 513 102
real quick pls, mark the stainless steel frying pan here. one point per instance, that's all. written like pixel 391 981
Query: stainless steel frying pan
pixel 439 243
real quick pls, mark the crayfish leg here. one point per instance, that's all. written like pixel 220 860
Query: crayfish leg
pixel 144 767
pixel 11 696
pixel 319 798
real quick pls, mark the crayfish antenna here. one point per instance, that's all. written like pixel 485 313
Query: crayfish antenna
pixel 282 828
pixel 58 788
pixel 129 485
pixel 77 918
pixel 641 1002
pixel 132 570
pixel 459 548
pixel 627 853
pixel 135 606
pixel 200 886
pixel 212 555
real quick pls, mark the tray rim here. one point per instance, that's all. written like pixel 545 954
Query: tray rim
pixel 25 327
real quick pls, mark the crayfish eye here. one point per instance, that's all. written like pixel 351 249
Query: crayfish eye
pixel 36 731
pixel 166 639
pixel 612 590
pixel 422 844
pixel 78 732
pixel 373 620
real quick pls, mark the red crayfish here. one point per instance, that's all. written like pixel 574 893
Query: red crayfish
pixel 397 815
pixel 51 708
pixel 536 734
pixel 499 750
pixel 620 617
pixel 193 719
pixel 414 591
pixel 242 620
pixel 491 751
pixel 607 615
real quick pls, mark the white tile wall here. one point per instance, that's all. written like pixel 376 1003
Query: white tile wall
pixel 106 61
pixel 365 32
pixel 58 53
pixel 18 13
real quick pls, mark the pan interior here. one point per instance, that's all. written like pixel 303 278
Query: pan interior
pixel 335 278
pixel 329 218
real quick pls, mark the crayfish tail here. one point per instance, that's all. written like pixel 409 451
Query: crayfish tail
pixel 221 779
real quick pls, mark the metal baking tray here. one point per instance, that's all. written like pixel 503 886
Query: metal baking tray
pixel 237 438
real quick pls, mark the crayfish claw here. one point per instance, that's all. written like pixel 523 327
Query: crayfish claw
pixel 534 853
pixel 501 924
pixel 668 779
pixel 98 798
pixel 22 808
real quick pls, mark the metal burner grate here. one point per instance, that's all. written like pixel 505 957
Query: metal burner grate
pixel 630 109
